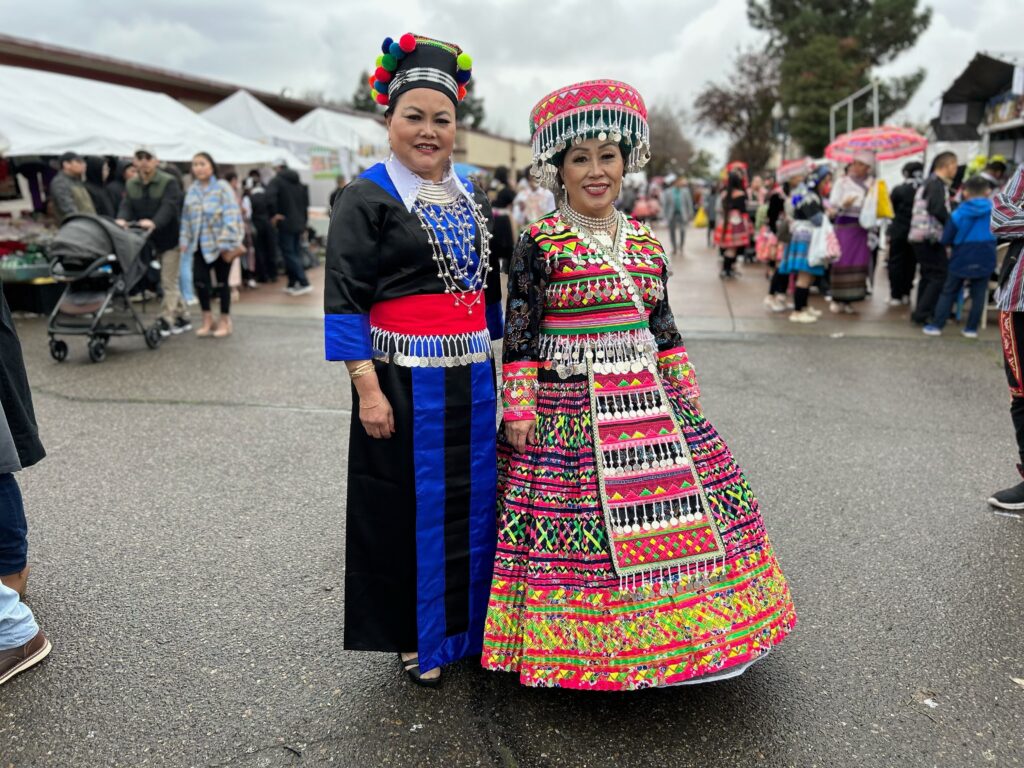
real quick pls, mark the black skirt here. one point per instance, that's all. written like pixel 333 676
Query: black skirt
pixel 421 515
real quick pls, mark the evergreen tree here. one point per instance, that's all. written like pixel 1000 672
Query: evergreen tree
pixel 827 51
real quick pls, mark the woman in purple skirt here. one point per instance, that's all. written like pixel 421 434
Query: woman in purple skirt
pixel 850 271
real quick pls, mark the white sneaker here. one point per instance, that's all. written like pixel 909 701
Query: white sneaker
pixel 835 307
pixel 849 310
pixel 969 334
pixel 803 317
pixel 895 302
pixel 774 304
pixel 813 310
pixel 301 290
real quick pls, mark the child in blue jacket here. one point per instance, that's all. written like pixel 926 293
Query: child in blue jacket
pixel 973 259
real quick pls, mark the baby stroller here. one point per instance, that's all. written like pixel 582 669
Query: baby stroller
pixel 101 264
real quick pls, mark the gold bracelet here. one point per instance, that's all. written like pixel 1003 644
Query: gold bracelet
pixel 361 370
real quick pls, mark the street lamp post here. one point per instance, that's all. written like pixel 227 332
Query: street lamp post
pixel 781 117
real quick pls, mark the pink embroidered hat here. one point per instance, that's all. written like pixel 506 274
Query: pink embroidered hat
pixel 592 109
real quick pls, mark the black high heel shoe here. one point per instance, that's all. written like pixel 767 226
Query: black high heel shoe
pixel 411 667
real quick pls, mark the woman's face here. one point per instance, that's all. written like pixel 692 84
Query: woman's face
pixel 592 173
pixel 421 130
pixel 201 168
pixel 859 170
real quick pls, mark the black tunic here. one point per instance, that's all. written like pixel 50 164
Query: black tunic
pixel 378 251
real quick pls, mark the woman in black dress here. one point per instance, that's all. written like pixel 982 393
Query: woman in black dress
pixel 412 302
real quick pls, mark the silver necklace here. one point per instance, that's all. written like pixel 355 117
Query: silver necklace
pixel 448 218
pixel 600 229
pixel 612 253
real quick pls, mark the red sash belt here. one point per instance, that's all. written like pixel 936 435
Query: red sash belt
pixel 433 314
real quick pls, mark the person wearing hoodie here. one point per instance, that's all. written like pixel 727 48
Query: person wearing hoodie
pixel 124 171
pixel 289 202
pixel 973 259
pixel 902 262
pixel 95 170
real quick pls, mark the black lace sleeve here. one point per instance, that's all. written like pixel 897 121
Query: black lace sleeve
pixel 662 322
pixel 527 283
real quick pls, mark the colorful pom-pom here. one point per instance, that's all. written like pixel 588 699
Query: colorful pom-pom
pixel 465 61
pixel 463 76
pixel 396 51
pixel 380 87
pixel 389 62
pixel 373 79
pixel 462 92
pixel 382 99
pixel 407 42
pixel 380 60
pixel 382 75
pixel 386 45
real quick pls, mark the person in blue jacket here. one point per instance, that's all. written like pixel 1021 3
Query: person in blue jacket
pixel 973 258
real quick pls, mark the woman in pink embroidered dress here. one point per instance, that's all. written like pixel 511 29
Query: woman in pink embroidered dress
pixel 631 551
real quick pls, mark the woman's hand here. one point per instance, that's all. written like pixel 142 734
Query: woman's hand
pixel 376 415
pixel 695 402
pixel 521 433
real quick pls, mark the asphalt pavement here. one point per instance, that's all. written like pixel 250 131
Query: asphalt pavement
pixel 187 547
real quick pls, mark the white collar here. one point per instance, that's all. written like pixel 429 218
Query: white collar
pixel 408 183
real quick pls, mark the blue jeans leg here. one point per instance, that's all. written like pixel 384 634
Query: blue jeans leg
pixel 188 291
pixel 944 306
pixel 13 527
pixel 289 242
pixel 979 297
pixel 17 624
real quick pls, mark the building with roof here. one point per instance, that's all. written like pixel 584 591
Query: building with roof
pixel 984 107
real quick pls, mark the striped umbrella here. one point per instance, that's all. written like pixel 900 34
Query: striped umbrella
pixel 886 142
pixel 799 167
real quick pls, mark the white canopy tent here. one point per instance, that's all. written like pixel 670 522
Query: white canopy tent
pixel 244 114
pixel 47 114
pixel 364 137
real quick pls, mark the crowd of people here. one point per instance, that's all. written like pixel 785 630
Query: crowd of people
pixel 819 233
pixel 211 238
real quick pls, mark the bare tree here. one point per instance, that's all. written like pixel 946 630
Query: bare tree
pixel 741 107
pixel 670 149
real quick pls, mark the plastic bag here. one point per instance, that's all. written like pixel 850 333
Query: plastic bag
pixel 869 211
pixel 701 219
pixel 884 209
pixel 824 245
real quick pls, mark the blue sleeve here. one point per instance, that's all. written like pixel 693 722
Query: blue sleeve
pixel 350 279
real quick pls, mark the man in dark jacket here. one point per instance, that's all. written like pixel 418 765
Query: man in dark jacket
pixel 263 235
pixel 67 190
pixel 288 199
pixel 22 643
pixel 931 255
pixel 902 262
pixel 152 199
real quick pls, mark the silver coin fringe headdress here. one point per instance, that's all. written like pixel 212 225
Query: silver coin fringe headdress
pixel 593 109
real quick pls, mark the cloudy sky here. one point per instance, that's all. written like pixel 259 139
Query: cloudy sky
pixel 522 49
